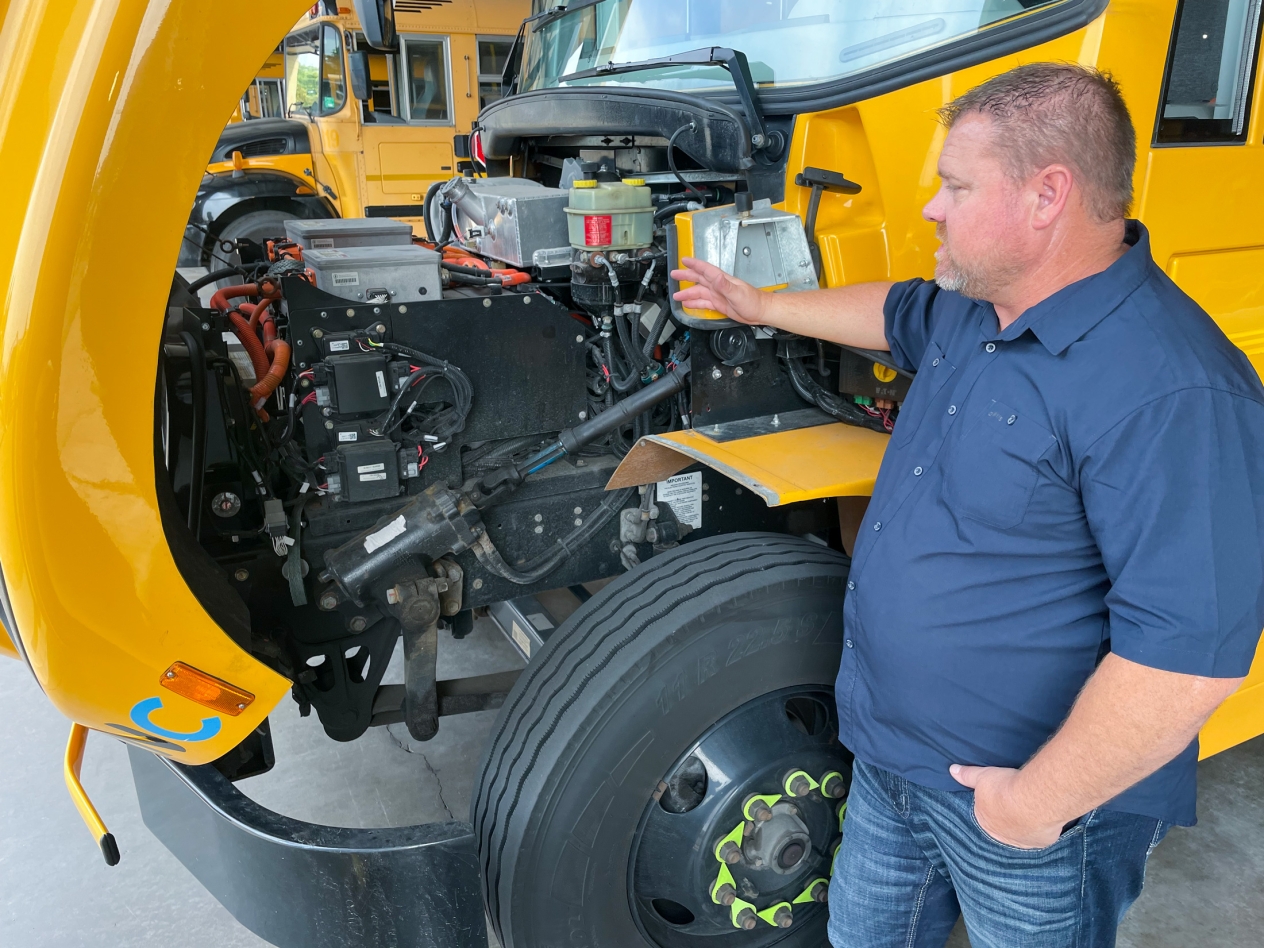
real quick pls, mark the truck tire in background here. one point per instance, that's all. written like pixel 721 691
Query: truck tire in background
pixel 630 748
pixel 258 225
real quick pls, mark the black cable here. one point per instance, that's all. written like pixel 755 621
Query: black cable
pixel 197 474
pixel 656 332
pixel 671 163
pixel 213 276
pixel 546 562
pixel 426 205
pixel 450 421
pixel 619 385
pixel 841 408
pixel 631 348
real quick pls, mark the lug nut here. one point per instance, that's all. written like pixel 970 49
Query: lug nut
pixel 783 917
pixel 746 919
pixel 833 785
pixel 730 852
pixel 329 602
pixel 799 786
pixel 725 894
pixel 358 624
pixel 757 809
pixel 820 891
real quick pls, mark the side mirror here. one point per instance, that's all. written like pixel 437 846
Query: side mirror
pixel 377 19
pixel 358 73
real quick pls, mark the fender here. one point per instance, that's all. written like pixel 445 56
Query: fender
pixel 224 195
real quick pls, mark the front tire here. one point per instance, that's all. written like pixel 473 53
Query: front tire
pixel 595 821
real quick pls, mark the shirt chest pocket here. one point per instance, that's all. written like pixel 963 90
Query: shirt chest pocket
pixel 992 473
pixel 932 375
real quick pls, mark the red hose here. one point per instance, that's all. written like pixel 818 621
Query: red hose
pixel 268 383
pixel 221 297
pixel 250 342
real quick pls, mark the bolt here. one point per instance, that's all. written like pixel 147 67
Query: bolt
pixel 329 426
pixel 171 674
pixel 717 374
pixel 583 416
pixel 746 251
pixel 579 338
pixel 329 601
pixel 578 511
pixel 298 342
pixel 478 584
pixel 350 311
pixel 318 334
pixel 799 786
pixel 539 529
pixel 403 309
pixel 579 521
pixel 820 891
pixel 327 412
pixel 380 327
pixel 757 810
pixel 538 518
pixel 324 315
pixel 726 894
pixel 833 785
pixel 737 372
pixel 241 707
pixel 376 311
pixel 206 327
pixel 746 919
pixel 487 303
pixel 783 917
pixel 730 852
pixel 358 624
pixel 241 575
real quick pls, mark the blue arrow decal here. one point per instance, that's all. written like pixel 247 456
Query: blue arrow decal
pixel 143 709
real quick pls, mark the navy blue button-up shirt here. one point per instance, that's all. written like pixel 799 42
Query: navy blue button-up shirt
pixel 1089 480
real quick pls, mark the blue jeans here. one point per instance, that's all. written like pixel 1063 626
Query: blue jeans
pixel 914 859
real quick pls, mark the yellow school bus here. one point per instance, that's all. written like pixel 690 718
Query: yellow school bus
pixel 339 128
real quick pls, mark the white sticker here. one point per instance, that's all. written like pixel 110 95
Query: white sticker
pixel 523 640
pixel 347 278
pixel 540 621
pixel 339 345
pixel 363 468
pixel 683 493
pixel 372 477
pixel 348 435
pixel 384 536
pixel 322 243
pixel 381 383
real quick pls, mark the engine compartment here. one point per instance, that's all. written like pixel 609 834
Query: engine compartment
pixel 374 435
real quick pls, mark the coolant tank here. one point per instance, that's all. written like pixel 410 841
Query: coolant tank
pixel 348 232
pixel 610 215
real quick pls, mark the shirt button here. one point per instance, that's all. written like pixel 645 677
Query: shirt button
pixel 917 472
pixel 952 409
pixel 878 525
pixel 851 584
pixel 848 643
pixel 936 362
pixel 990 347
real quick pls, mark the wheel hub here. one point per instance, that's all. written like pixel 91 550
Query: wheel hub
pixel 741 835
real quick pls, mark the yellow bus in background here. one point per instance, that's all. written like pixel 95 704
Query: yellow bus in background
pixel 334 127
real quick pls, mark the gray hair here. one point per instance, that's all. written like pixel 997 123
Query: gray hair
pixel 1047 113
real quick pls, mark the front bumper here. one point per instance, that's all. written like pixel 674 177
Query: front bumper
pixel 302 885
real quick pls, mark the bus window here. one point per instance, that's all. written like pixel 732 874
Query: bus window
pixel 426 80
pixel 302 72
pixel 493 54
pixel 333 84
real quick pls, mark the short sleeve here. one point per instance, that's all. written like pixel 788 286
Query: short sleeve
pixel 908 315
pixel 1174 495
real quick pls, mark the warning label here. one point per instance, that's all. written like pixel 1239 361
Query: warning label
pixel 598 230
pixel 683 493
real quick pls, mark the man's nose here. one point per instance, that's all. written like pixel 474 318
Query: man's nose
pixel 934 209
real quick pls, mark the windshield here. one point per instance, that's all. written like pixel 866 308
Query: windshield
pixel 788 42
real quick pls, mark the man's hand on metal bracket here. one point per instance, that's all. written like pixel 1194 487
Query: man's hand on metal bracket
pixel 716 290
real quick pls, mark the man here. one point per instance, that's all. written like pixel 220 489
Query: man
pixel 1059 576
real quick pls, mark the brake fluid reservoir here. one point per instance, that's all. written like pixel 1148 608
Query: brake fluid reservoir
pixel 610 215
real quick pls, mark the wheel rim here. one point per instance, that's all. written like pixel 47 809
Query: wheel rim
pixel 676 879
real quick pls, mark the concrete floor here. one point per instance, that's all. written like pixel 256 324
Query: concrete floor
pixel 1205 888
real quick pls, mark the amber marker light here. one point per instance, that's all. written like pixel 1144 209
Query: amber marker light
pixel 206 690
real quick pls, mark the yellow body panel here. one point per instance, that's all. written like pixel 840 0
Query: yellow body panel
pixel 298 167
pixel 90 89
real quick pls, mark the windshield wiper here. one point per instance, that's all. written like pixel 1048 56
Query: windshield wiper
pixel 733 60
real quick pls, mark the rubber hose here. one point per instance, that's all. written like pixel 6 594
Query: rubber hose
pixel 220 300
pixel 213 276
pixel 426 204
pixel 251 343
pixel 619 385
pixel 274 376
pixel 631 346
pixel 656 332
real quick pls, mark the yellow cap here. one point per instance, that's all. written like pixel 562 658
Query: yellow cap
pixel 634 182
pixel 583 183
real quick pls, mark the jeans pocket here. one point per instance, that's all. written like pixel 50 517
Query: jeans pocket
pixel 1074 828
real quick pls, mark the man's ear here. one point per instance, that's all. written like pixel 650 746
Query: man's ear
pixel 1052 188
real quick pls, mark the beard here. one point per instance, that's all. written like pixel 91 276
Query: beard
pixel 980 279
